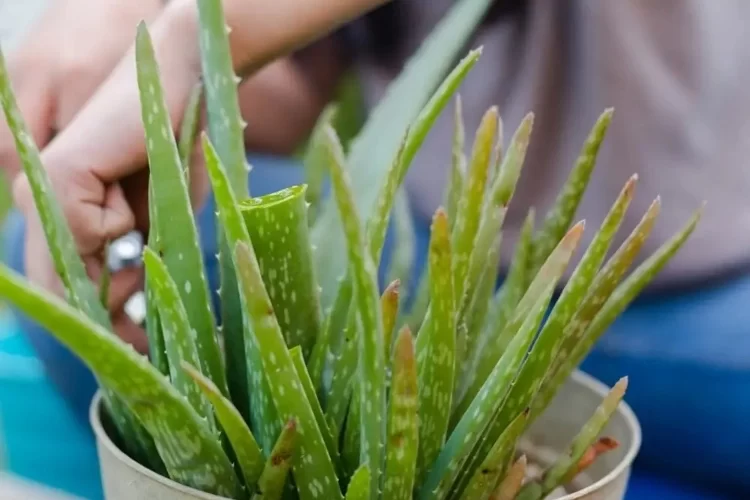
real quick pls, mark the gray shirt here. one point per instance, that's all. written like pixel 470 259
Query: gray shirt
pixel 677 74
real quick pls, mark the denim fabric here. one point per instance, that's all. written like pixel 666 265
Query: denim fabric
pixel 687 356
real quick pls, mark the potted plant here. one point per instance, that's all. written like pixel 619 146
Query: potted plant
pixel 318 386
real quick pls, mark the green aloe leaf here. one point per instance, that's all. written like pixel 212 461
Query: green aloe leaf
pixel 178 334
pixel 551 271
pixel 263 417
pixel 225 124
pixel 374 148
pixel 615 304
pixel 494 465
pixel 189 448
pixel 389 304
pixel 277 225
pixel 558 219
pixel 314 161
pixel 567 464
pixel 156 348
pixel 190 126
pixel 371 372
pixel 551 337
pixel 437 360
pixel 314 472
pixel 458 164
pixel 244 445
pixel 304 377
pixel 351 446
pixel 80 291
pixel 403 421
pixel 511 484
pixel 276 471
pixel 178 234
pixel 342 383
pixel 469 431
pixel 359 486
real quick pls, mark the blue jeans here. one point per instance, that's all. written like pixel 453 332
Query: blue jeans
pixel 687 356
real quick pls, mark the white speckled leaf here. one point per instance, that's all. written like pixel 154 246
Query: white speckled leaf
pixel 178 235
pixel 276 471
pixel 190 450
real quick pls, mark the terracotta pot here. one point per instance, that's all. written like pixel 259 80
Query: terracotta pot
pixel 125 479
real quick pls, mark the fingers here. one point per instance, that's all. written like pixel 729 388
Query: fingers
pixel 130 332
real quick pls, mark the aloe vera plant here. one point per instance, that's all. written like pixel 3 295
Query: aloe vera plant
pixel 325 388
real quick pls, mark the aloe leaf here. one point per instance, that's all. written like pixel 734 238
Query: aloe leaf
pixel 276 470
pixel 335 322
pixel 615 304
pixel 314 161
pixel 550 272
pixel 189 126
pixel 314 472
pixel 156 348
pixel 472 199
pixel 371 372
pixel 177 231
pixel 403 421
pixel 359 486
pixel 605 283
pixel 277 225
pixel 344 369
pixel 178 334
pixel 558 219
pixel 105 280
pixel 511 484
pixel 389 304
pixel 188 447
pixel 437 360
pixel 490 347
pixel 373 149
pixel 244 445
pixel 80 291
pixel 299 366
pixel 551 337
pixel 404 245
pixel 483 482
pixel 567 463
pixel 225 124
pixel 263 416
pixel 484 408
pixel 458 164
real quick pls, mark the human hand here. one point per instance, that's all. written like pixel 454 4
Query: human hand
pixel 63 59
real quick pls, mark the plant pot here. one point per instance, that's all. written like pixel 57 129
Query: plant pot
pixel 125 479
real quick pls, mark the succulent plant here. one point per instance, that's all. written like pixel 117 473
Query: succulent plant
pixel 323 387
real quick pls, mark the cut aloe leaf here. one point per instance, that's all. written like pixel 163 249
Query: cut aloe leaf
pixel 178 234
pixel 178 334
pixel 245 447
pixel 437 361
pixel 403 421
pixel 277 225
pixel 314 472
pixel 371 371
pixel 276 471
pixel 185 443
pixel 561 215
pixel 263 416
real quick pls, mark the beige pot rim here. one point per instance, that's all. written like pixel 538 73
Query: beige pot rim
pixel 582 379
